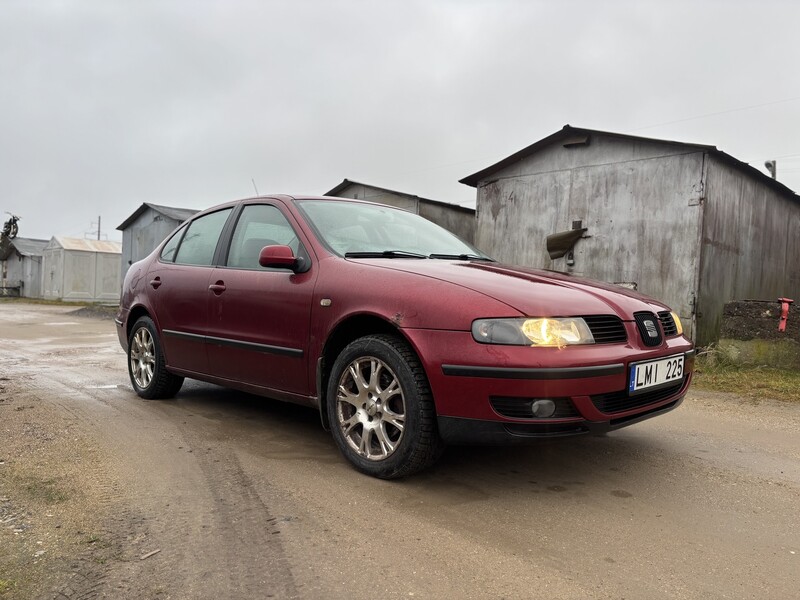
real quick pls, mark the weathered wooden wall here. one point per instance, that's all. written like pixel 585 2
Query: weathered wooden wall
pixel 639 200
pixel 750 245
pixel 460 222
pixel 359 191
pixel 25 271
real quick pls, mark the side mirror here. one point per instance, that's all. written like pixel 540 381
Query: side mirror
pixel 280 257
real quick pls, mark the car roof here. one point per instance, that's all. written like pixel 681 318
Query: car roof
pixel 291 199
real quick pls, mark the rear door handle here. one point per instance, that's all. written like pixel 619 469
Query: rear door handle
pixel 218 287
pixel 155 282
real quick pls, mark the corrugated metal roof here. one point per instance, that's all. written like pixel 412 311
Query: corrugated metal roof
pixel 68 243
pixel 569 132
pixel 348 182
pixel 23 247
pixel 178 214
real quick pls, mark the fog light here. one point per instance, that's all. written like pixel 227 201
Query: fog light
pixel 543 408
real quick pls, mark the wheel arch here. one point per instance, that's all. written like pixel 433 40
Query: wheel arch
pixel 345 332
pixel 134 315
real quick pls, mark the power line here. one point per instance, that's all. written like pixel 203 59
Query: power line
pixel 703 116
pixel 720 112
pixel 782 157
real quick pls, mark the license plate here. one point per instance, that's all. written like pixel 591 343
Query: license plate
pixel 655 373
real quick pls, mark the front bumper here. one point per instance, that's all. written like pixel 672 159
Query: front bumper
pixel 481 392
pixel 456 430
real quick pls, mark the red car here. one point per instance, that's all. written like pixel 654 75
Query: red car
pixel 402 335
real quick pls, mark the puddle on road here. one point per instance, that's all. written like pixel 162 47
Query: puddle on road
pixel 113 386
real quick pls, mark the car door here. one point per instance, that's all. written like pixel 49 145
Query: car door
pixel 180 280
pixel 259 318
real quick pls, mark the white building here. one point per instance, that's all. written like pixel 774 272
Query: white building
pixel 75 269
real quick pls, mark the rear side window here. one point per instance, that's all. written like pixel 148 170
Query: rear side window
pixel 200 241
pixel 171 247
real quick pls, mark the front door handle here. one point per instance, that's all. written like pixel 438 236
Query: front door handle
pixel 156 283
pixel 218 287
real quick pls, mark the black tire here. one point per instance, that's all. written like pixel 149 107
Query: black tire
pixel 365 424
pixel 146 366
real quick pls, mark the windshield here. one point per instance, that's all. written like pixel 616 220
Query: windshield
pixel 353 228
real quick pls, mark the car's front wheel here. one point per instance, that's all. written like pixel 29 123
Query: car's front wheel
pixel 146 364
pixel 381 409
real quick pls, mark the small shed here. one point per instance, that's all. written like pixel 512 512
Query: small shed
pixel 21 267
pixel 75 269
pixel 146 228
pixel 685 223
pixel 457 219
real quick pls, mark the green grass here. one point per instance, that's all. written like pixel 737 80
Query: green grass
pixel 756 382
pixel 10 300
pixel 51 302
pixel 6 586
pixel 46 490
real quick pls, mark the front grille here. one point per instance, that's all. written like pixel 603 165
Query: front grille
pixel 606 329
pixel 520 408
pixel 668 323
pixel 648 328
pixel 615 402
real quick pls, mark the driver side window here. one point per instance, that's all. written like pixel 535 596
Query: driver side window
pixel 259 225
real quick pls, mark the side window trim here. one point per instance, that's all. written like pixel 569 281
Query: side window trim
pixel 226 237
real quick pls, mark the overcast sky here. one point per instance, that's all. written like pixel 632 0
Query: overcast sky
pixel 105 105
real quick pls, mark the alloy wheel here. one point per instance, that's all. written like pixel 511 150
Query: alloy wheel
pixel 370 408
pixel 143 359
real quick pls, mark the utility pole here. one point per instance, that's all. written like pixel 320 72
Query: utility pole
pixel 94 232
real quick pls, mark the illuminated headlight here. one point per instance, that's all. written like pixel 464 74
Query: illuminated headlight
pixel 678 323
pixel 558 332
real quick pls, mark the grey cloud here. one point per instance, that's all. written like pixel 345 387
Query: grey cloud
pixel 104 105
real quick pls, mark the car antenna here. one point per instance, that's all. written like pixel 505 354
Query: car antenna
pixel 254 185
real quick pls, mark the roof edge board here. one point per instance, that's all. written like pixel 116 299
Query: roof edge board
pixel 568 132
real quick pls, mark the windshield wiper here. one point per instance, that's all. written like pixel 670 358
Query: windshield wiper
pixel 384 254
pixel 461 257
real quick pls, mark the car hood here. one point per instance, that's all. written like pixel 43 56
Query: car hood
pixel 532 292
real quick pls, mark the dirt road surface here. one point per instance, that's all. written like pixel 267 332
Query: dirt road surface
pixel 218 494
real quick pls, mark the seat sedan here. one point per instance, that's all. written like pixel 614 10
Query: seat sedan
pixel 403 336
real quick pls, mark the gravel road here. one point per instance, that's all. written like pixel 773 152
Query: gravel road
pixel 218 494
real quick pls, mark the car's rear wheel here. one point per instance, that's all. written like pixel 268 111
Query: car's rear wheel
pixel 146 365
pixel 381 409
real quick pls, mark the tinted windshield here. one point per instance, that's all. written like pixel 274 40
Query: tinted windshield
pixel 351 227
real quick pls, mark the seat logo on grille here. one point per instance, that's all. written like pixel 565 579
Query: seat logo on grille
pixel 651 328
